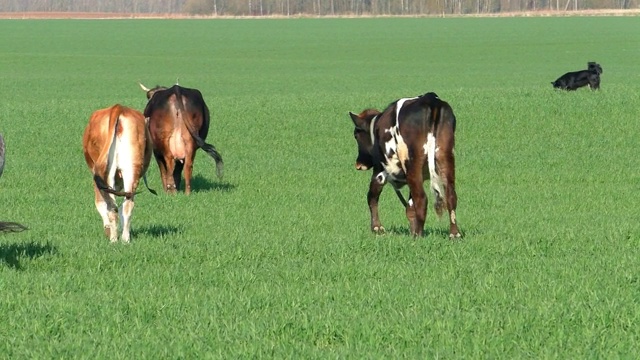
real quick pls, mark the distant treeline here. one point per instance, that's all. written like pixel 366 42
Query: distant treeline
pixel 308 7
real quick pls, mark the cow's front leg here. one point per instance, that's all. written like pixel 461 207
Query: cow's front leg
pixel 375 189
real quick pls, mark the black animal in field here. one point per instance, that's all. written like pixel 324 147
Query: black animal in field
pixel 577 79
pixel 4 225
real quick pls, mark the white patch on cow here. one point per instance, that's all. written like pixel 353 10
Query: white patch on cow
pixel 430 150
pixel 124 161
pixel 371 128
pixel 381 178
pixel 452 216
pixel 396 152
pixel 393 168
pixel 390 146
pixel 399 105
pixel 410 203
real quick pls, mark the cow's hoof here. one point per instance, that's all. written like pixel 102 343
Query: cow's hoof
pixel 379 230
pixel 455 236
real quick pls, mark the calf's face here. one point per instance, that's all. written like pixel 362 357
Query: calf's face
pixel 364 138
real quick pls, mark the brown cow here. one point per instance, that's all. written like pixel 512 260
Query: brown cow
pixel 179 124
pixel 117 148
pixel 411 140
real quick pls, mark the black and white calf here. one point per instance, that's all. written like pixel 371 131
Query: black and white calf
pixel 410 141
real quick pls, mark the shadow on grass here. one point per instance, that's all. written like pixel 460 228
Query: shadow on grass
pixel 12 253
pixel 202 184
pixel 7 226
pixel 156 231
pixel 404 231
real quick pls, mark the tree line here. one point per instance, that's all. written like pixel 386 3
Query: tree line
pixel 309 7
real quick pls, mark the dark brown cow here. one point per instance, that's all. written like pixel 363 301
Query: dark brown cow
pixel 179 124
pixel 410 141
pixel 117 148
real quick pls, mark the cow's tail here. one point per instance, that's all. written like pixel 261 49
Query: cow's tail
pixel 211 150
pixel 105 161
pixel 208 148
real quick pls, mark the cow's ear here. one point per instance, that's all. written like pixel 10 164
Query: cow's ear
pixel 358 121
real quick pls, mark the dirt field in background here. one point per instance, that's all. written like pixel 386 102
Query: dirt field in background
pixel 95 15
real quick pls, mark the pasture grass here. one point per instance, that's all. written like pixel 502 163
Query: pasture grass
pixel 276 260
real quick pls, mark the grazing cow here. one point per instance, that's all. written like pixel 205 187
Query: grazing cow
pixel 411 140
pixel 117 148
pixel 179 123
pixel 577 79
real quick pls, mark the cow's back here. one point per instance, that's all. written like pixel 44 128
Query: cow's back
pixel 174 115
pixel 132 145
pixel 134 140
pixel 96 136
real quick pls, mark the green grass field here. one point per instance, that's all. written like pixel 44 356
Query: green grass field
pixel 277 260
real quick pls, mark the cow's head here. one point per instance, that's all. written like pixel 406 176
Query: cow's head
pixel 364 137
pixel 150 92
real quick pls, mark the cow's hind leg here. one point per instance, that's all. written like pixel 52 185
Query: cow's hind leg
pixel 106 206
pixel 188 171
pixel 127 210
pixel 167 170
pixel 417 209
pixel 162 166
pixel 446 168
pixel 130 179
pixel 125 215
pixel 177 174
